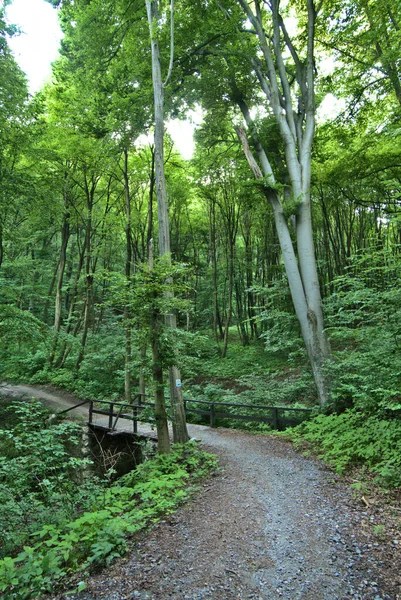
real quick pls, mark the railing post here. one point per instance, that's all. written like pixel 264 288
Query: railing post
pixel 90 412
pixel 111 405
pixel 212 416
pixel 135 413
pixel 275 417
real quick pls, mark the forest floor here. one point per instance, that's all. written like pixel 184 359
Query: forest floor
pixel 271 524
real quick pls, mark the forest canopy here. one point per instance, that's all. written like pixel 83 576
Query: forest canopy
pixel 121 261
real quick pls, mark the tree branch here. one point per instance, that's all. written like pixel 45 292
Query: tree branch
pixel 170 67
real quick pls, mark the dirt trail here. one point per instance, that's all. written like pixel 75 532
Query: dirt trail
pixel 59 400
pixel 271 525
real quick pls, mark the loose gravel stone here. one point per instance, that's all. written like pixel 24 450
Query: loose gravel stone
pixel 271 525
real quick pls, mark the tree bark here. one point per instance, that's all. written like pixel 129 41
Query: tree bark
pixel 163 438
pixel 128 266
pixel 296 127
pixel 90 192
pixel 65 236
pixel 306 316
pixel 177 405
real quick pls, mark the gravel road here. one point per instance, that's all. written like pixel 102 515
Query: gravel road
pixel 270 525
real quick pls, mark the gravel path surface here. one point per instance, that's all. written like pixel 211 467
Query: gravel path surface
pixel 271 524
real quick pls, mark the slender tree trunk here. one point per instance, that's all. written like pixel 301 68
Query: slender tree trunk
pixel 90 191
pixel 49 293
pixel 229 302
pixel 63 353
pixel 128 266
pixel 217 325
pixel 177 403
pixel 142 380
pixel 163 437
pixel 65 236
pixel 250 298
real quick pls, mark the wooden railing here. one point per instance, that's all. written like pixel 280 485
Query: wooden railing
pixel 120 410
pixel 273 415
pixel 278 417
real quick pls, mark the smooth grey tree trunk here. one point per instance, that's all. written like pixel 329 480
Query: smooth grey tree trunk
pixel 177 404
pixel 296 123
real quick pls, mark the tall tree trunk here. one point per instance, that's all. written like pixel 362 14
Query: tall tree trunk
pixel 65 236
pixel 296 124
pixel 176 399
pixel 90 191
pixel 64 352
pixel 217 325
pixel 50 293
pixel 163 437
pixel 250 298
pixel 128 266
pixel 306 317
pixel 229 303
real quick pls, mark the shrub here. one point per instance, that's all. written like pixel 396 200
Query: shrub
pixel 354 438
pixel 99 535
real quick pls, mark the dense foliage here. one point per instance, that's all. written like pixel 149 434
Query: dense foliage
pixel 41 474
pixel 57 518
pixel 285 227
pixel 354 440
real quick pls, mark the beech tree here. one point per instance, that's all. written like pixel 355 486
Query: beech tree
pixel 288 86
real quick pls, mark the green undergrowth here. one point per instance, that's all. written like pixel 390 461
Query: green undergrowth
pixel 355 439
pixel 98 535
pixel 42 472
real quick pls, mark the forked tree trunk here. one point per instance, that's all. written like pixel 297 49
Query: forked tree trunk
pixel 315 347
pixel 296 124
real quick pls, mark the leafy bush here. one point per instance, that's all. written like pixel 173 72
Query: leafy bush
pixel 99 535
pixel 40 468
pixel 354 438
pixel 245 360
pixel 364 323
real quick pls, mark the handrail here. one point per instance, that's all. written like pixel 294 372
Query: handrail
pixel 211 410
pixel 62 412
pixel 247 405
